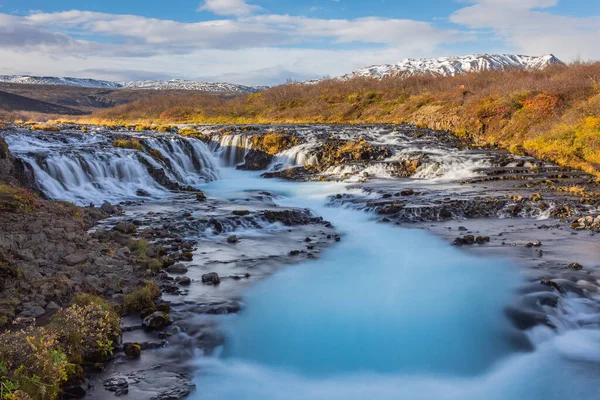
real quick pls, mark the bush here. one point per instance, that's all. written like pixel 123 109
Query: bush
pixel 141 299
pixel 43 127
pixel 128 144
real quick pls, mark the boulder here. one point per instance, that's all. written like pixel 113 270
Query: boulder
pixel 178 268
pixel 157 320
pixel 132 350
pixel 125 227
pixel 212 278
pixel 232 239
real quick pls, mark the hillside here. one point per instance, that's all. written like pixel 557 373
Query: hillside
pixel 13 102
pixel 552 113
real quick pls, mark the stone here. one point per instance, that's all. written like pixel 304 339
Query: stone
pixel 117 384
pixel 74 259
pixel 482 239
pixel 178 268
pixel 200 196
pixel 232 239
pixel 183 280
pixel 212 278
pixel 142 193
pixel 132 350
pixel 125 227
pixel 575 266
pixel 240 213
pixel 157 320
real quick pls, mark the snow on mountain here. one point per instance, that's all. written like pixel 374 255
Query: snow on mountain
pixel 451 66
pixel 173 84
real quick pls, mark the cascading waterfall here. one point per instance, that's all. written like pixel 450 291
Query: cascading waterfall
pixel 85 168
pixel 296 156
pixel 232 149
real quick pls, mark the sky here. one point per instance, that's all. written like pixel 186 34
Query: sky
pixel 267 42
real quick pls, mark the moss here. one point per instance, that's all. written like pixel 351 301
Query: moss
pixel 44 127
pixel 139 246
pixel 128 144
pixel 142 298
pixel 156 154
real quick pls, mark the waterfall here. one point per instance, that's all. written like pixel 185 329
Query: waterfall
pixel 296 156
pixel 232 149
pixel 84 168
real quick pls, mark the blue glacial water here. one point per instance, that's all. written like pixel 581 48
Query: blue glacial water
pixel 388 313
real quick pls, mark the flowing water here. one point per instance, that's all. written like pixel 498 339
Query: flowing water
pixel 388 313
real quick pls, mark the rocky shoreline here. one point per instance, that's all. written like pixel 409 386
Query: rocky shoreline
pixel 170 266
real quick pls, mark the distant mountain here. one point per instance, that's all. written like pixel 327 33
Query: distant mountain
pixel 173 84
pixel 451 66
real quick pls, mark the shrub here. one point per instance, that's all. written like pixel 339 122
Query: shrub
pixel 128 144
pixel 139 246
pixel 142 298
pixel 15 199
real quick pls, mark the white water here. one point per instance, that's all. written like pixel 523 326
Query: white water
pixel 388 313
pixel 84 168
pixel 232 149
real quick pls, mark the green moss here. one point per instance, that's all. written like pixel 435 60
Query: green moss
pixel 142 298
pixel 128 144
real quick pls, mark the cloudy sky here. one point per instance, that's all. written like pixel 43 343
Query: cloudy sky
pixel 269 41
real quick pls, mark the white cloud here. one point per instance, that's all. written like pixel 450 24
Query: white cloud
pixel 530 27
pixel 229 7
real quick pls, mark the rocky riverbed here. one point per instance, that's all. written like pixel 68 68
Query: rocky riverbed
pixel 161 211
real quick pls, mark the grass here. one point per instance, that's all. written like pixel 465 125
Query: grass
pixel 133 144
pixel 142 298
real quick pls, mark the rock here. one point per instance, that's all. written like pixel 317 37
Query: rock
pixel 212 278
pixel 52 306
pixel 407 192
pixel 117 384
pixel 462 229
pixel 256 160
pixel 178 268
pixel 482 239
pixel 77 391
pixel 125 227
pixel 132 350
pixel 232 239
pixel 164 307
pixel 157 320
pixel 183 280
pixel 551 283
pixel 240 213
pixel 142 193
pixel 295 253
pixel 108 208
pixel 217 226
pixel 575 266
pixel 175 393
pixel 74 259
pixel 200 196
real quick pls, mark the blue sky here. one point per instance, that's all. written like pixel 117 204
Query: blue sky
pixel 269 41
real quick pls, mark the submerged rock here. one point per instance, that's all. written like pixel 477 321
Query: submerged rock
pixel 212 278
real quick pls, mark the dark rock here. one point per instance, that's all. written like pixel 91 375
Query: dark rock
pixel 256 160
pixel 178 268
pixel 157 320
pixel 212 278
pixel 217 226
pixel 200 196
pixel 575 266
pixel 232 239
pixel 482 239
pixel 164 307
pixel 407 192
pixel 77 391
pixel 142 193
pixel 551 283
pixel 132 350
pixel 240 213
pixel 74 259
pixel 524 319
pixel 125 227
pixel 175 393
pixel 117 384
pixel 295 253
pixel 183 280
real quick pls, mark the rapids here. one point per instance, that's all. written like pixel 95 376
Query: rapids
pixel 388 313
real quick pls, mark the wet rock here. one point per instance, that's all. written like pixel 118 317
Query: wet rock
pixel 178 268
pixel 157 320
pixel 142 193
pixel 125 227
pixel 164 307
pixel 465 240
pixel 551 283
pixel 407 192
pixel 109 209
pixel 117 384
pixel 175 393
pixel 526 319
pixel 219 308
pixel 240 213
pixel 200 196
pixel 232 239
pixel 132 350
pixel 77 391
pixel 294 253
pixel 482 239
pixel 256 160
pixel 183 280
pixel 212 278
pixel 217 226
pixel 575 266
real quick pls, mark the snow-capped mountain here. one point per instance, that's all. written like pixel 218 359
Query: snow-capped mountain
pixel 451 66
pixel 173 84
